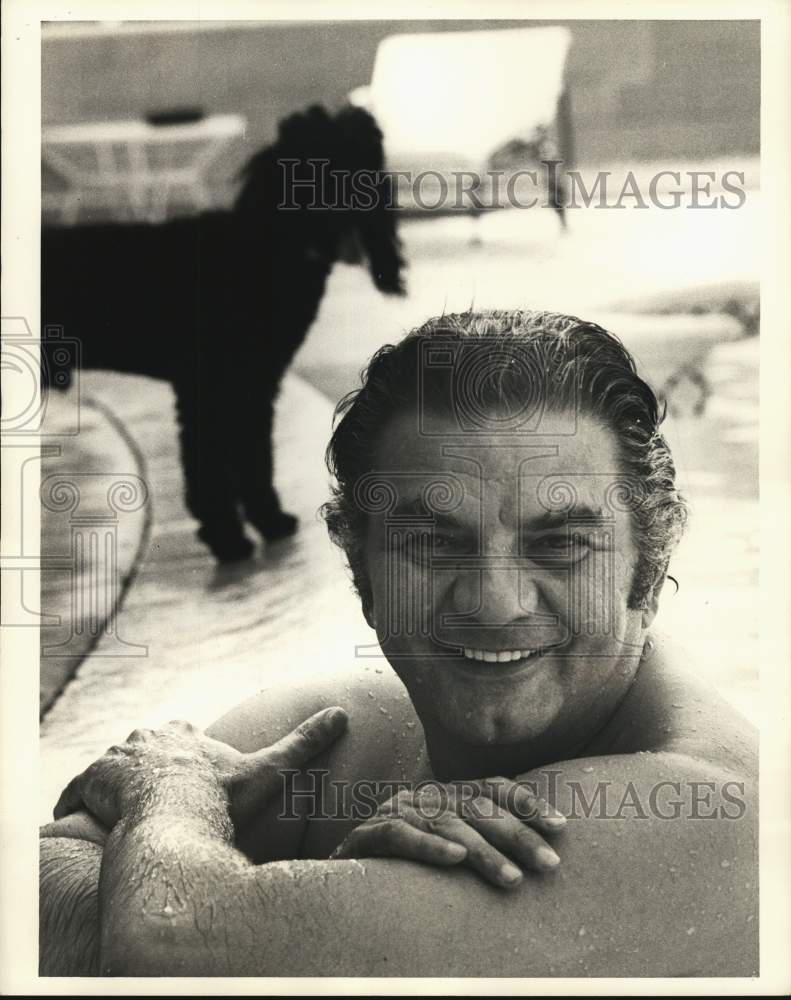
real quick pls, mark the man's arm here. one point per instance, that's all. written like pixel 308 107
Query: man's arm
pixel 70 855
pixel 70 849
pixel 646 888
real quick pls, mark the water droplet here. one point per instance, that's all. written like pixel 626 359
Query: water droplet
pixel 725 863
pixel 582 932
pixel 468 715
pixel 378 670
pixel 749 918
pixel 587 770
pixel 690 931
pixel 370 694
pixel 677 704
pixel 410 725
pixel 383 710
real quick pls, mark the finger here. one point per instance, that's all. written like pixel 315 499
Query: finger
pixel 397 838
pixel 311 737
pixel 70 799
pixel 482 856
pixel 510 835
pixel 180 726
pixel 521 801
pixel 139 735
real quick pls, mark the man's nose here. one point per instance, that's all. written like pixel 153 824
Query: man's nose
pixel 496 593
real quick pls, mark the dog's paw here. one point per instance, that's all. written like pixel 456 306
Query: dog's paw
pixel 276 526
pixel 227 548
pixel 390 284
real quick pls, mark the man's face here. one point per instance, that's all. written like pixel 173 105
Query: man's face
pixel 499 594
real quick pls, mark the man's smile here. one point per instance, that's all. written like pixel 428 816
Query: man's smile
pixel 501 655
pixel 493 665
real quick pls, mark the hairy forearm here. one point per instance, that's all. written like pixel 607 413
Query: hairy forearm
pixel 68 907
pixel 168 870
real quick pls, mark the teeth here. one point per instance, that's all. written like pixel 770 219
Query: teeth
pixel 505 656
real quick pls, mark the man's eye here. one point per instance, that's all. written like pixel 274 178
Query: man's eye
pixel 419 546
pixel 415 546
pixel 446 543
pixel 559 548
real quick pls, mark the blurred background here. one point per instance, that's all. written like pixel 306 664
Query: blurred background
pixel 641 90
pixel 183 106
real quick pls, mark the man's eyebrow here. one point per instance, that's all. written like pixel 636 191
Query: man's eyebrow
pixel 579 514
pixel 409 507
pixel 416 507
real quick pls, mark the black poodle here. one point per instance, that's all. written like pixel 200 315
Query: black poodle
pixel 217 304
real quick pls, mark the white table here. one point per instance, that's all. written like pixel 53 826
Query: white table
pixel 132 166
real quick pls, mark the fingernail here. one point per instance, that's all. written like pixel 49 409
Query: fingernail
pixel 510 873
pixel 456 851
pixel 556 820
pixel 547 857
pixel 336 715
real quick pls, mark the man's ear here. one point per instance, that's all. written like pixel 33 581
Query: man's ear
pixel 367 602
pixel 652 598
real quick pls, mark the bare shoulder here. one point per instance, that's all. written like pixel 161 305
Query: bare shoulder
pixel 671 708
pixel 382 722
pixel 379 713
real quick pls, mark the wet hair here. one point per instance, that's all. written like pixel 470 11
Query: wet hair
pixel 515 366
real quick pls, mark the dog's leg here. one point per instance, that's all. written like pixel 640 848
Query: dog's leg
pixel 209 492
pixel 259 497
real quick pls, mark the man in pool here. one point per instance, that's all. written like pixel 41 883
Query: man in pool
pixel 508 509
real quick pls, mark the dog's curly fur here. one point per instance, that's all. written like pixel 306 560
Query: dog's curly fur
pixel 217 304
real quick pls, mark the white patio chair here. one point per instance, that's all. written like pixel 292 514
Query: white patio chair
pixel 471 101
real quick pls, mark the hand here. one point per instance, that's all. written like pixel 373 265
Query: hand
pixel 127 775
pixel 482 824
